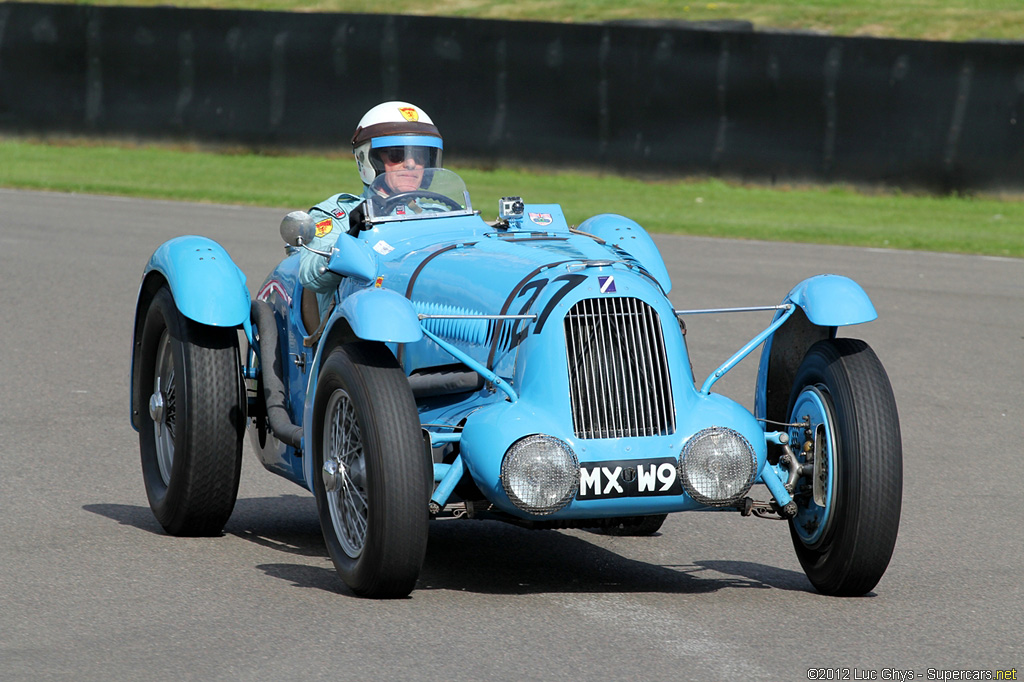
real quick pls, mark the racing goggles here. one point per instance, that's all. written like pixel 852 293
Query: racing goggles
pixel 424 151
pixel 400 154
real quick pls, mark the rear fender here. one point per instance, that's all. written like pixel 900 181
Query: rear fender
pixel 627 235
pixel 206 285
pixel 825 302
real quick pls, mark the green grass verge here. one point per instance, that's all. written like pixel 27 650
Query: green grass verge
pixel 926 19
pixel 714 208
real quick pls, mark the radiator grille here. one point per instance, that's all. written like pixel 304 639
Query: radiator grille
pixel 618 371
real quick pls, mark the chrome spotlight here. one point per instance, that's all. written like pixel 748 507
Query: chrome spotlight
pixel 540 474
pixel 717 466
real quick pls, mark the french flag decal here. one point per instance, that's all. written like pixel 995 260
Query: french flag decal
pixel 607 284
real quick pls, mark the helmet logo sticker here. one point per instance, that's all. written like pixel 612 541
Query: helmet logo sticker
pixel 541 218
pixel 607 284
pixel 324 227
pixel 409 113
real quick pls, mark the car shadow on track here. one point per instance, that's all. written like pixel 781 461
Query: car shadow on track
pixel 486 557
pixel 286 523
pixel 127 515
pixel 267 520
pixel 496 558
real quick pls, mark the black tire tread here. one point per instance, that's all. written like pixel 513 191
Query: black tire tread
pixel 215 438
pixel 210 424
pixel 852 560
pixel 389 425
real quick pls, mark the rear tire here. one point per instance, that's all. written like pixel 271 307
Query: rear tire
pixel 373 507
pixel 192 420
pixel 845 539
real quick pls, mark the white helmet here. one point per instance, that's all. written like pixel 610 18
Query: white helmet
pixel 396 129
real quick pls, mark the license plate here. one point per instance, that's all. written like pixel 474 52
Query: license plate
pixel 629 478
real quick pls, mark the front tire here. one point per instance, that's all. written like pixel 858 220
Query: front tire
pixel 370 471
pixel 190 436
pixel 847 519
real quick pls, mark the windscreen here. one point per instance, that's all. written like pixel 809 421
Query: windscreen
pixel 417 193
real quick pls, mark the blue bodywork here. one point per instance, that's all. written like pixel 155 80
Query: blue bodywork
pixel 491 299
pixel 207 285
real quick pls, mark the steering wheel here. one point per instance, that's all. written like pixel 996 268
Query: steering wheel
pixel 404 197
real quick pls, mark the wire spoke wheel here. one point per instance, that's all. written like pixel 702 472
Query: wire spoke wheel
pixel 344 448
pixel 372 471
pixel 162 408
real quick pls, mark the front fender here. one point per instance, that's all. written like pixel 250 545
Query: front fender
pixel 370 314
pixel 206 284
pixel 832 301
pixel 825 302
pixel 379 315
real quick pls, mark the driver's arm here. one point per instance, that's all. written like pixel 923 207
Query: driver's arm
pixel 332 219
pixel 313 272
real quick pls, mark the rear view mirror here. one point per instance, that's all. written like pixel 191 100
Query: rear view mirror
pixel 298 228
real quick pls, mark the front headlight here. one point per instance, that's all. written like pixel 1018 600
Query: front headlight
pixel 717 466
pixel 540 474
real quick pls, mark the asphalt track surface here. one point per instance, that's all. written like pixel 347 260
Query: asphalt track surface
pixel 92 589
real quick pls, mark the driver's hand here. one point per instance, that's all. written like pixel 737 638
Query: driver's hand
pixel 356 220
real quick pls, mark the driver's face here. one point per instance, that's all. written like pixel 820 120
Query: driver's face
pixel 404 168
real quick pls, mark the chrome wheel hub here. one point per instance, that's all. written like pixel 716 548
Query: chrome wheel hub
pixel 332 479
pixel 157 405
pixel 814 515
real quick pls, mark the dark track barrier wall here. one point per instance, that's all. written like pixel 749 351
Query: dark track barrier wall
pixel 625 98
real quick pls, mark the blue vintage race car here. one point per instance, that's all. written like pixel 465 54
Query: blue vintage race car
pixel 523 370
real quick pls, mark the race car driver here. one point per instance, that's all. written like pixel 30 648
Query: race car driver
pixel 396 138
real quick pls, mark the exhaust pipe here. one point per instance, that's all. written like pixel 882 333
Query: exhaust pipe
pixel 274 396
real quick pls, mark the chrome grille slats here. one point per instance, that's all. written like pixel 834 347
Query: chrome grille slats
pixel 643 406
pixel 618 369
pixel 662 387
